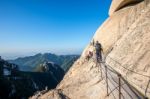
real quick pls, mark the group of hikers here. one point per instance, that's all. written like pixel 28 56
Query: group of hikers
pixel 98 51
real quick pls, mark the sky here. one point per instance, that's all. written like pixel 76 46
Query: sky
pixel 58 26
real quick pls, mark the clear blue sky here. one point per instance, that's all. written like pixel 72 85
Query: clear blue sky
pixel 58 26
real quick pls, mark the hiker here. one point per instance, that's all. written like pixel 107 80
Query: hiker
pixel 92 43
pixel 98 49
pixel 89 55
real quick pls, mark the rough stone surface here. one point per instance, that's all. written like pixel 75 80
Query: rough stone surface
pixel 52 94
pixel 125 37
pixel 118 4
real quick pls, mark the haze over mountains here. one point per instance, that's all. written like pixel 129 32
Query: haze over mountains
pixel 31 63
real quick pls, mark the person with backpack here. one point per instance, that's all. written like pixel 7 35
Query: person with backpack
pixel 98 49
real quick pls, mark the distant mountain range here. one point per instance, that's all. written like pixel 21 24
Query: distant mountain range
pixel 22 77
pixel 16 84
pixel 32 63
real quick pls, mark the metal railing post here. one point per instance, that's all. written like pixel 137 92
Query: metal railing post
pixel 119 76
pixel 101 71
pixel 147 88
pixel 106 79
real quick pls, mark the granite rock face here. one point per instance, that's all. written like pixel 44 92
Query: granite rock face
pixel 118 4
pixel 125 37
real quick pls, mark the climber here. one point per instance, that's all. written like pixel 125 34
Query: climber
pixel 89 55
pixel 98 49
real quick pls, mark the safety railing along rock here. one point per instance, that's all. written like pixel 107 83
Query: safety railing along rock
pixel 119 83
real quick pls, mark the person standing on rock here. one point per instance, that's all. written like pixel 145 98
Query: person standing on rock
pixel 98 49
